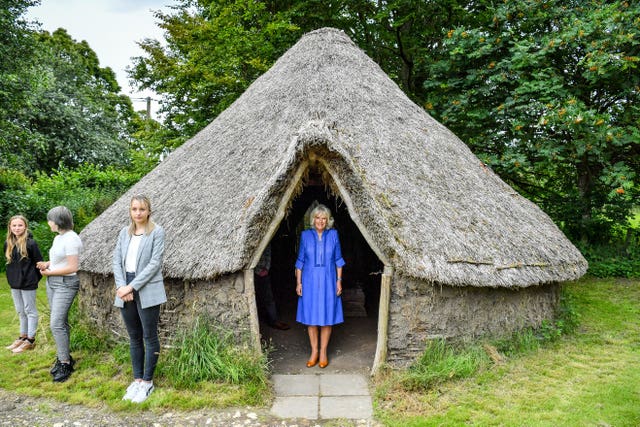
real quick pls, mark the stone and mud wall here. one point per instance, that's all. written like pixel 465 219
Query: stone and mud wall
pixel 224 301
pixel 420 311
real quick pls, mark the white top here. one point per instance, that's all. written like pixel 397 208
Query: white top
pixel 64 245
pixel 132 253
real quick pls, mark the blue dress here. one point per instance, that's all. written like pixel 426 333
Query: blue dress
pixel 318 259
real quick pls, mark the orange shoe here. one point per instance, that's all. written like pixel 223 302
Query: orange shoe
pixel 312 362
pixel 324 363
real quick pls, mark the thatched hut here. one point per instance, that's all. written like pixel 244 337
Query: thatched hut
pixel 437 243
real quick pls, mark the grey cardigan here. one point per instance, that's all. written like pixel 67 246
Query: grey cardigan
pixel 148 281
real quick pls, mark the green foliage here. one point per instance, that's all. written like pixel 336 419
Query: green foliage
pixel 150 143
pixel 620 256
pixel 86 190
pixel 614 260
pixel 58 107
pixel 546 94
pixel 16 48
pixel 12 183
pixel 213 51
pixel 207 353
pixel 84 336
pixel 76 114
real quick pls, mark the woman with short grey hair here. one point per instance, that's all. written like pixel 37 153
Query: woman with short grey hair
pixel 62 285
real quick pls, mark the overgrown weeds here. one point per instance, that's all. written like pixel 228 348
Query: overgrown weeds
pixel 208 353
pixel 85 337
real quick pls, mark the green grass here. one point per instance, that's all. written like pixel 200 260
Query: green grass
pixel 103 368
pixel 588 378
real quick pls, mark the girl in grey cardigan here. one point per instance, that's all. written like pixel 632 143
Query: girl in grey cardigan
pixel 137 271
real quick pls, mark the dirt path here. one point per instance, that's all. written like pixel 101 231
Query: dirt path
pixel 16 410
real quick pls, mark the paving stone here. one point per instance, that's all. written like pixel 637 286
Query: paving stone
pixel 296 385
pixel 343 385
pixel 296 407
pixel 350 407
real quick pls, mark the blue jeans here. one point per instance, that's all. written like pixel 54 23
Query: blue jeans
pixel 25 304
pixel 142 326
pixel 61 291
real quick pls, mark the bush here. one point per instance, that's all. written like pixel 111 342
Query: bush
pixel 87 191
pixel 615 260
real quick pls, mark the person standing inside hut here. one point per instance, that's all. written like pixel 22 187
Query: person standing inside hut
pixel 137 271
pixel 62 285
pixel 264 294
pixel 319 282
pixel 23 253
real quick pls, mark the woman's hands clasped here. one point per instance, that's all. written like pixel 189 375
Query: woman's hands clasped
pixel 125 293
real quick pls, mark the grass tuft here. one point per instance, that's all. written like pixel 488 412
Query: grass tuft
pixel 442 362
pixel 207 353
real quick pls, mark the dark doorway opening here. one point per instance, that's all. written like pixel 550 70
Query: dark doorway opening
pixel 353 343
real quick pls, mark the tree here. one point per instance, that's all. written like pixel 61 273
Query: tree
pixel 16 47
pixel 76 114
pixel 544 91
pixel 214 50
pixel 547 92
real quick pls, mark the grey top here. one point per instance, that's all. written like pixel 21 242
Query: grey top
pixel 148 281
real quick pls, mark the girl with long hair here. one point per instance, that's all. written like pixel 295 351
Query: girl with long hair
pixel 137 271
pixel 22 254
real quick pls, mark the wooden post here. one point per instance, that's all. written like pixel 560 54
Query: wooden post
pixel 383 319
pixel 254 324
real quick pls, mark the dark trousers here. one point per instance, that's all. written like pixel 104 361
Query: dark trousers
pixel 142 326
pixel 264 297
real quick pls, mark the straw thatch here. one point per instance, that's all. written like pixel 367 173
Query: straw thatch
pixel 424 202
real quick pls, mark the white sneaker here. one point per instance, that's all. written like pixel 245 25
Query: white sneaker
pixel 144 390
pixel 132 390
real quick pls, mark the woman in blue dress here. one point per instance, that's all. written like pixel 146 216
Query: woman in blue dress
pixel 319 282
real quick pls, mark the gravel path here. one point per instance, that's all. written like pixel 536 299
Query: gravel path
pixel 17 410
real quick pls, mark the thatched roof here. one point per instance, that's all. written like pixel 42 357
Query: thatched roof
pixel 427 205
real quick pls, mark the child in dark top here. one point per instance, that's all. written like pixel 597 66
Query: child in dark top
pixel 22 254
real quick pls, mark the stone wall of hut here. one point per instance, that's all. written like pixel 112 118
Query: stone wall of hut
pixel 224 301
pixel 420 311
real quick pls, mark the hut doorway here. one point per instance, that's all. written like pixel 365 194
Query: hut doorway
pixel 353 343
